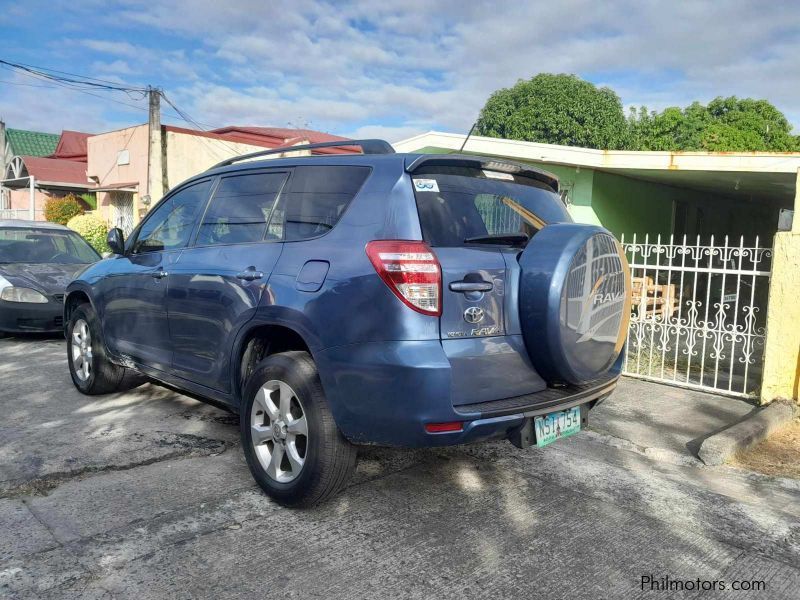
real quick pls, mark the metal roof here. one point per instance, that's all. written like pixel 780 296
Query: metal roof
pixel 57 171
pixel 31 143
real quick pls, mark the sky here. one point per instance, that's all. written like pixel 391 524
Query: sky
pixel 383 69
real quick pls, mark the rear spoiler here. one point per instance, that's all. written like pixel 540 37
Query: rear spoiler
pixel 480 162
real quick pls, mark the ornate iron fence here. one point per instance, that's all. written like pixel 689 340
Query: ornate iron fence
pixel 698 313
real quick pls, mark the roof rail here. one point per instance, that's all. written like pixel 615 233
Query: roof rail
pixel 367 147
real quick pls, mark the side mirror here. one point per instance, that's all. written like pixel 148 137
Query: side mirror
pixel 116 241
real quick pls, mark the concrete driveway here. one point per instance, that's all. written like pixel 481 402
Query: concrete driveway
pixel 146 495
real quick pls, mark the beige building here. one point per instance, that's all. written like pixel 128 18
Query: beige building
pixel 128 179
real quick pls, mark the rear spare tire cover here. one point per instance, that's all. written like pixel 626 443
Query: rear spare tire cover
pixel 574 301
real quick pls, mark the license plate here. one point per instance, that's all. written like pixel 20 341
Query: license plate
pixel 557 425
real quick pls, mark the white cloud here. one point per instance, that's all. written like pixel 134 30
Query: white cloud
pixel 112 47
pixel 386 68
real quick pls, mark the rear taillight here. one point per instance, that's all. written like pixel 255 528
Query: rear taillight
pixel 411 271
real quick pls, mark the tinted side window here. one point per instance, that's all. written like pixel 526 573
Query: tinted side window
pixel 317 197
pixel 240 209
pixel 172 222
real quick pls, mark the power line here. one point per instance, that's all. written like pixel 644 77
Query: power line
pixel 83 83
pixel 191 121
pixel 67 73
pixel 69 78
pixel 33 85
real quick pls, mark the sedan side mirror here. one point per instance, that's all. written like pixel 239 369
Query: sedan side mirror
pixel 116 240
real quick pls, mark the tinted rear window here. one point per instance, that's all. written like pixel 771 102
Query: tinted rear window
pixel 317 197
pixel 456 203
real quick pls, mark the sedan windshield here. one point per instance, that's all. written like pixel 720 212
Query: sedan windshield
pixel 38 246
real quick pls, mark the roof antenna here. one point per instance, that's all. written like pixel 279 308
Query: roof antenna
pixel 471 129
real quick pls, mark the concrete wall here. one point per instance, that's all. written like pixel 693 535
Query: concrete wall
pixel 781 377
pixel 20 200
pixel 188 155
pixel 104 150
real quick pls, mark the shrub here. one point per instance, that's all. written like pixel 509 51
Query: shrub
pixel 61 210
pixel 90 198
pixel 93 229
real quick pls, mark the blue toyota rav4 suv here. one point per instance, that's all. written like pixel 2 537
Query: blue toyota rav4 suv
pixel 371 298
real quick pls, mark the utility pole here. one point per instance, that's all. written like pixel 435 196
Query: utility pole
pixel 155 160
pixel 3 147
pixel 3 157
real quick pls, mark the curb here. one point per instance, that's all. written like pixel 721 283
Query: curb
pixel 718 448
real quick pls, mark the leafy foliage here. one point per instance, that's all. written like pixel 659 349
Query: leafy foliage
pixel 90 198
pixel 93 229
pixel 725 124
pixel 563 109
pixel 556 109
pixel 61 210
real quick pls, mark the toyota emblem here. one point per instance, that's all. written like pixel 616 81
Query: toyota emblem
pixel 473 315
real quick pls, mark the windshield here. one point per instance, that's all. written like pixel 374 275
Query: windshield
pixel 37 246
pixel 461 206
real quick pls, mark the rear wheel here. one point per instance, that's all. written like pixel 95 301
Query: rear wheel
pixel 89 366
pixel 293 447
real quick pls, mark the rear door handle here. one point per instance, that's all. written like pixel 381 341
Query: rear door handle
pixel 160 274
pixel 471 286
pixel 249 275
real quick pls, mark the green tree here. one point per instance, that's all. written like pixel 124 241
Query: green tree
pixel 556 109
pixel 724 125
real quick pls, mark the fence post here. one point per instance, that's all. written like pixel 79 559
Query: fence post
pixel 782 351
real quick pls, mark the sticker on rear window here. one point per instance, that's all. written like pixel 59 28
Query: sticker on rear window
pixel 426 185
pixel 499 175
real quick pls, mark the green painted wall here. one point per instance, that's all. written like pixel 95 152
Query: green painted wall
pixel 626 205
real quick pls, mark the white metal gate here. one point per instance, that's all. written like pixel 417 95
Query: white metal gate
pixel 122 211
pixel 698 313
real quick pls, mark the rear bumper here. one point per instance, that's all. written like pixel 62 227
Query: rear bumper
pixel 22 317
pixel 386 392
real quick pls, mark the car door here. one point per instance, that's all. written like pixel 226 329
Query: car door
pixel 133 294
pixel 215 286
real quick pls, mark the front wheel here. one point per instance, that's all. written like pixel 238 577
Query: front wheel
pixel 90 368
pixel 293 447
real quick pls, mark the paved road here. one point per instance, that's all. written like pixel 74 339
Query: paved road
pixel 146 495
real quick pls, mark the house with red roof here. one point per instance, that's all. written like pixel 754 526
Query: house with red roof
pixel 30 177
pixel 129 169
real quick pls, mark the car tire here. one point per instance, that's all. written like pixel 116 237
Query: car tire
pixel 89 366
pixel 293 447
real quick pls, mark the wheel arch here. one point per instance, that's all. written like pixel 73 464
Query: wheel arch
pixel 74 297
pixel 259 340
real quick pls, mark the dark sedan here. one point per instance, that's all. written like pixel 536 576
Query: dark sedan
pixel 37 261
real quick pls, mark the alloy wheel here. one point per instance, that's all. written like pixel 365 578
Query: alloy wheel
pixel 81 344
pixel 279 431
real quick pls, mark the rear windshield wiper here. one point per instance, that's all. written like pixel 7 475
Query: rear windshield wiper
pixel 498 238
